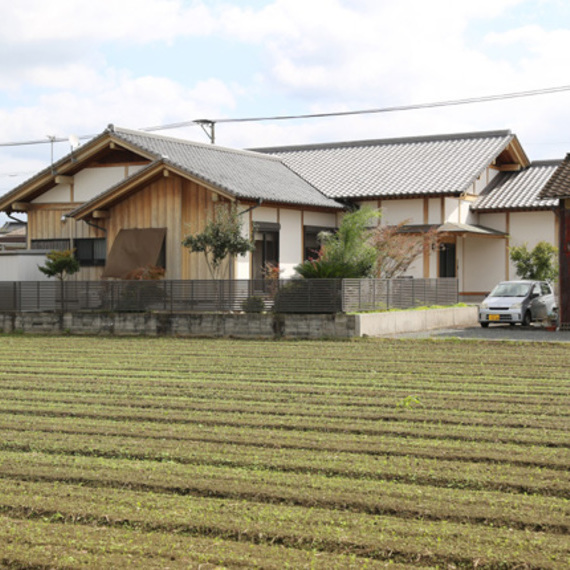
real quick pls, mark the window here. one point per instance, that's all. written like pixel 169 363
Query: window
pixel 90 252
pixel 545 287
pixel 266 252
pixel 311 241
pixel 51 244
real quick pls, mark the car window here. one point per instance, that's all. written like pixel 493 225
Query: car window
pixel 511 290
pixel 536 290
pixel 545 287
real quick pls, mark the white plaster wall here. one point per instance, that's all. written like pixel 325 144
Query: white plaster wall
pixel 451 210
pixel 320 219
pixel 90 182
pixel 484 263
pixel 396 211
pixel 416 269
pixel 134 168
pixel 494 221
pixel 290 242
pixel 532 227
pixel 434 211
pixel 59 193
pixel 22 266
pixel 265 215
pixel 466 215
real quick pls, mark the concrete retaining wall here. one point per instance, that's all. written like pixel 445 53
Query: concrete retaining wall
pixel 382 324
pixel 237 325
pixel 195 324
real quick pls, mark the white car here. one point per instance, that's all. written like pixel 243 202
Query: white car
pixel 518 302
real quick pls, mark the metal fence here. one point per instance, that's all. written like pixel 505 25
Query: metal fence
pixel 282 296
pixel 385 294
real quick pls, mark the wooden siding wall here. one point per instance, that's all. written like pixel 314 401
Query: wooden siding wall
pixel 197 207
pixel 44 222
pixel 155 206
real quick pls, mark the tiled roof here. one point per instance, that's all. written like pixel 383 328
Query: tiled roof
pixel 243 174
pixel 445 164
pixel 559 184
pixel 518 190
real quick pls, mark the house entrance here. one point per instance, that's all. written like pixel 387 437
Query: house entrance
pixel 266 251
pixel 447 261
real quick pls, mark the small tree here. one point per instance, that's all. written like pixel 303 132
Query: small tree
pixel 539 263
pixel 59 264
pixel 396 250
pixel 346 253
pixel 220 238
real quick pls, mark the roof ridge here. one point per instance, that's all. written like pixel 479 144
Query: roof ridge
pixel 209 146
pixel 397 140
pixel 546 162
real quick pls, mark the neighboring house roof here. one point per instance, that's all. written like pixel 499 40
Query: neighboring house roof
pixel 241 174
pixel 14 238
pixel 407 167
pixel 451 228
pixel 518 190
pixel 558 186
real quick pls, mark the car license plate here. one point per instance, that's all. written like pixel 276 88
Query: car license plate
pixel 494 317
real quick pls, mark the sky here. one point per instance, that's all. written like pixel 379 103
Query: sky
pixel 71 67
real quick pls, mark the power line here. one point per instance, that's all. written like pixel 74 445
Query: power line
pixel 454 102
pixel 211 122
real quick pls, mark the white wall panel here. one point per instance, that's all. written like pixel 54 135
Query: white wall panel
pixel 90 182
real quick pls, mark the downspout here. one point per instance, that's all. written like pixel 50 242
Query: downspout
pixel 11 216
pixel 104 230
pixel 259 202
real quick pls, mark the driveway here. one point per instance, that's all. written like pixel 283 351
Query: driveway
pixel 533 333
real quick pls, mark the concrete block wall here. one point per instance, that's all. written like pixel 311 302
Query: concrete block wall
pixel 238 325
pixel 188 325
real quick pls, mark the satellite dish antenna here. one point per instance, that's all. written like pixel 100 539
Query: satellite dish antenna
pixel 73 141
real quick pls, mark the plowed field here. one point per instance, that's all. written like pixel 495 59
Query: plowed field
pixel 175 453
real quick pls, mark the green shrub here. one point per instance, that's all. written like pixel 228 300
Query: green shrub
pixel 253 304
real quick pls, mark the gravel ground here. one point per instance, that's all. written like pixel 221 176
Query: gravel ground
pixel 534 333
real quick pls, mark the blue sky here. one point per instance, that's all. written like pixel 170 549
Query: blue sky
pixel 74 66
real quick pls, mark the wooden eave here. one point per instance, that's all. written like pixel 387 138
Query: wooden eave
pixel 513 158
pixel 133 185
pixel 92 154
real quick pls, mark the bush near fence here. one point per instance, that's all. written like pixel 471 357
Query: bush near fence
pixel 282 296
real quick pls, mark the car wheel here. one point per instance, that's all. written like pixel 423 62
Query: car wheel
pixel 526 319
pixel 484 325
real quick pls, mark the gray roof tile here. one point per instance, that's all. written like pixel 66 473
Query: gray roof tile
pixel 558 186
pixel 518 190
pixel 445 164
pixel 243 174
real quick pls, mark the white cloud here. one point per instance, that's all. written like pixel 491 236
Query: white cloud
pixel 137 21
pixel 318 55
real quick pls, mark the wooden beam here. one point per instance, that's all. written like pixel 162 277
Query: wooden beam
pixel 62 179
pixel 20 206
pixel 510 167
pixel 100 214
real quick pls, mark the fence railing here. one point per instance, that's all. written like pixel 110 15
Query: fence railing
pixel 386 294
pixel 282 296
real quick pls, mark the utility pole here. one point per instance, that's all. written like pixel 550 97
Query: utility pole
pixel 209 127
